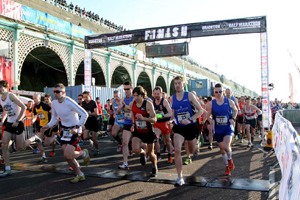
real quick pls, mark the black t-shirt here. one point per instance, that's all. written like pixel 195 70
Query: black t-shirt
pixel 90 107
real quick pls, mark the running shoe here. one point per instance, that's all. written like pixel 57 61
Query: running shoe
pixel 241 141
pixel 36 151
pixel 78 179
pixel 43 160
pixel 37 139
pixel 210 147
pixel 119 149
pixel 170 159
pixel 97 154
pixel 158 158
pixel 78 148
pixel 154 172
pixel 143 159
pixel 2 161
pixel 249 144
pixel 227 171
pixel 179 182
pixel 52 154
pixel 86 158
pixel 236 137
pixel 71 168
pixel 187 161
pixel 123 166
pixel 130 153
pixel 6 173
pixel 231 165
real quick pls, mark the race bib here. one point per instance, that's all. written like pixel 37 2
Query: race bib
pixel 120 118
pixel 67 135
pixel 140 124
pixel 182 116
pixel 221 120
pixel 127 115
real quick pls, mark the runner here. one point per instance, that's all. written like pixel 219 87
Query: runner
pixel 126 136
pixel 210 126
pixel 220 108
pixel 14 110
pixel 67 110
pixel 259 117
pixel 185 127
pixel 250 115
pixel 80 99
pixel 143 115
pixel 91 123
pixel 241 123
pixel 119 119
pixel 163 114
pixel 229 95
pixel 41 110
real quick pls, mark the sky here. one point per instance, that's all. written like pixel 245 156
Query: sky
pixel 237 57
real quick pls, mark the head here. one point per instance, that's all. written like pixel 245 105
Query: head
pixel 242 99
pixel 36 99
pixel 209 98
pixel 86 96
pixel 228 93
pixel 139 94
pixel 108 101
pixel 258 100
pixel 248 101
pixel 29 104
pixel 80 98
pixel 4 86
pixel 218 91
pixel 117 94
pixel 59 91
pixel 127 85
pixel 97 99
pixel 254 101
pixel 179 83
pixel 157 92
pixel 48 98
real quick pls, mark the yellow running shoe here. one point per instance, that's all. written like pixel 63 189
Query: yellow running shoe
pixel 78 178
pixel 86 158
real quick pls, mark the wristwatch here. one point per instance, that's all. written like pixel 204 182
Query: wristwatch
pixel 191 119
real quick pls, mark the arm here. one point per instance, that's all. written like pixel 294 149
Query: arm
pixel 19 103
pixel 4 115
pixel 152 116
pixel 168 107
pixel 235 111
pixel 259 112
pixel 194 101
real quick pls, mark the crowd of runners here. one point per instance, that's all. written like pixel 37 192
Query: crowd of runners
pixel 139 124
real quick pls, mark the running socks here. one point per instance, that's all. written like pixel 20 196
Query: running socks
pixel 229 154
pixel 225 159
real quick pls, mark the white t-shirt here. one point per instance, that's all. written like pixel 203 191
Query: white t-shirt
pixel 11 109
pixel 68 112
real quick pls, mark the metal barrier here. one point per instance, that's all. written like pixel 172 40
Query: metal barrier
pixel 293 116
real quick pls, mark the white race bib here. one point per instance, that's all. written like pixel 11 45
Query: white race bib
pixel 127 115
pixel 183 115
pixel 67 135
pixel 221 120
pixel 120 118
pixel 140 124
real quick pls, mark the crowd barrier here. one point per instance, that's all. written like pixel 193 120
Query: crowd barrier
pixel 287 148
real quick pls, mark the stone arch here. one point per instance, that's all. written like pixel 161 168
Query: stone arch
pixel 79 57
pixel 160 81
pixel 146 86
pixel 28 43
pixel 114 64
pixel 148 71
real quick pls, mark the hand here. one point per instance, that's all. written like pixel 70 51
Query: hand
pixel 127 107
pixel 44 128
pixel 186 122
pixel 74 130
pixel 231 121
pixel 139 116
pixel 15 124
pixel 132 128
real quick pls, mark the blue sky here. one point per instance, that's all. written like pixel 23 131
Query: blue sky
pixel 236 56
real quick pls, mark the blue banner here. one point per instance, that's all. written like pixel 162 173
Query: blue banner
pixel 44 19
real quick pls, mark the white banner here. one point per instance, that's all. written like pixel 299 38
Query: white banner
pixel 287 148
pixel 87 69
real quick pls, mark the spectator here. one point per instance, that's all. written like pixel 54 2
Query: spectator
pixel 71 6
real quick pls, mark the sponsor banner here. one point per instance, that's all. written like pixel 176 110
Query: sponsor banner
pixel 87 69
pixel 125 49
pixel 11 9
pixel 51 22
pixel 223 27
pixel 287 148
pixel 7 71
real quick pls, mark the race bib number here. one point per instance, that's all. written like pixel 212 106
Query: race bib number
pixel 67 135
pixel 221 120
pixel 182 116
pixel 120 118
pixel 141 124
pixel 127 115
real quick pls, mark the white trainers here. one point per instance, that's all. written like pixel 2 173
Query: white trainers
pixel 179 181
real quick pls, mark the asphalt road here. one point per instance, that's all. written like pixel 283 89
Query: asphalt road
pixel 29 181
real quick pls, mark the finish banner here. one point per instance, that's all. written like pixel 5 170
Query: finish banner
pixel 224 27
pixel 11 9
pixel 287 147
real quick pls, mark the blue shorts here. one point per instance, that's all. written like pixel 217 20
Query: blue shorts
pixel 119 123
pixel 219 136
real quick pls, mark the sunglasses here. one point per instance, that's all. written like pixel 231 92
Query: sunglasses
pixel 127 89
pixel 79 99
pixel 220 91
pixel 56 91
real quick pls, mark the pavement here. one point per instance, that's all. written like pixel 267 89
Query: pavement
pixel 52 180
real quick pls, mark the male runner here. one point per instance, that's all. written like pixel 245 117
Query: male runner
pixel 163 114
pixel 220 108
pixel 91 123
pixel 67 110
pixel 14 109
pixel 143 115
pixel 185 127
pixel 119 119
pixel 259 118
pixel 241 122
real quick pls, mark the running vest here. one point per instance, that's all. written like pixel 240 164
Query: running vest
pixel 221 115
pixel 249 114
pixel 140 125
pixel 182 109
pixel 119 117
pixel 11 109
pixel 127 113
pixel 160 109
pixel 241 108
